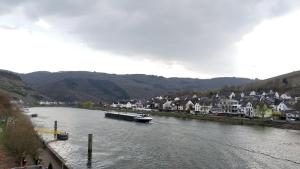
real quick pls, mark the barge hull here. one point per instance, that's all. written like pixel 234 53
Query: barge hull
pixel 120 116
pixel 143 121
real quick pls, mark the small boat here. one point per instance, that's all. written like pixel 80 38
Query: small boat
pixel 143 118
pixel 25 110
pixel 33 115
pixel 62 136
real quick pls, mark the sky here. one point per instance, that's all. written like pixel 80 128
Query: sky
pixel 171 38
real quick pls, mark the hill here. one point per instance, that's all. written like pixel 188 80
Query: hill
pixel 12 84
pixel 289 83
pixel 286 83
pixel 80 85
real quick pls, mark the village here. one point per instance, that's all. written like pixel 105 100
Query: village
pixel 267 105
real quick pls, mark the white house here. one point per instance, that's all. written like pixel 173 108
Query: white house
pixel 232 95
pixel 176 99
pixel 197 107
pixel 128 105
pixel 47 103
pixel 122 105
pixel 173 107
pixel 167 105
pixel 230 106
pixel 253 93
pixel 189 105
pixel 248 110
pixel 180 107
pixel 292 115
pixel 159 97
pixel 276 95
pixel 113 105
pixel 203 109
pixel 139 104
pixel 44 103
pixel 262 98
pixel 282 107
pixel 242 95
pixel 285 97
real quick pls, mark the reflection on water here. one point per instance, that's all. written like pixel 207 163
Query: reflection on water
pixel 168 142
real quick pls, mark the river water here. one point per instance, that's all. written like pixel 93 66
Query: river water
pixel 168 142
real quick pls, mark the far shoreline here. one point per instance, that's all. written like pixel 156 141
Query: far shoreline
pixel 212 118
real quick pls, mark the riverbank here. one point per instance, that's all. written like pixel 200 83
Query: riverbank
pixel 49 155
pixel 45 154
pixel 19 143
pixel 294 125
pixel 231 120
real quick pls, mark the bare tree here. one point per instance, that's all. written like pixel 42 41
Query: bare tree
pixel 19 136
pixel 6 107
pixel 262 108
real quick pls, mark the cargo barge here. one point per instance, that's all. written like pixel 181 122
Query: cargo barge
pixel 143 118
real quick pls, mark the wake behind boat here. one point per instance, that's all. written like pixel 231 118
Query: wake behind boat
pixel 143 118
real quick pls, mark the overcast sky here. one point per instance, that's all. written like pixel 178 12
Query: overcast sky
pixel 182 38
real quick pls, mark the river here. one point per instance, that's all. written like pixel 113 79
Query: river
pixel 168 142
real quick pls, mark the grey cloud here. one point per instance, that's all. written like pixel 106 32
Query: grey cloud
pixel 7 5
pixel 197 33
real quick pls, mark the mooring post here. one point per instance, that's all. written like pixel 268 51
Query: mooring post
pixel 55 129
pixel 90 150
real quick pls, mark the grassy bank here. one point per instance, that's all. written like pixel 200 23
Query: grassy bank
pixel 230 120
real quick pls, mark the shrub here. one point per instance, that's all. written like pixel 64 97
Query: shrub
pixel 19 135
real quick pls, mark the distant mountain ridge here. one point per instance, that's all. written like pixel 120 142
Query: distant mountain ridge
pixel 81 85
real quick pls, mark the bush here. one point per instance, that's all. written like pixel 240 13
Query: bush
pixel 6 107
pixel 277 114
pixel 19 135
pixel 88 105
